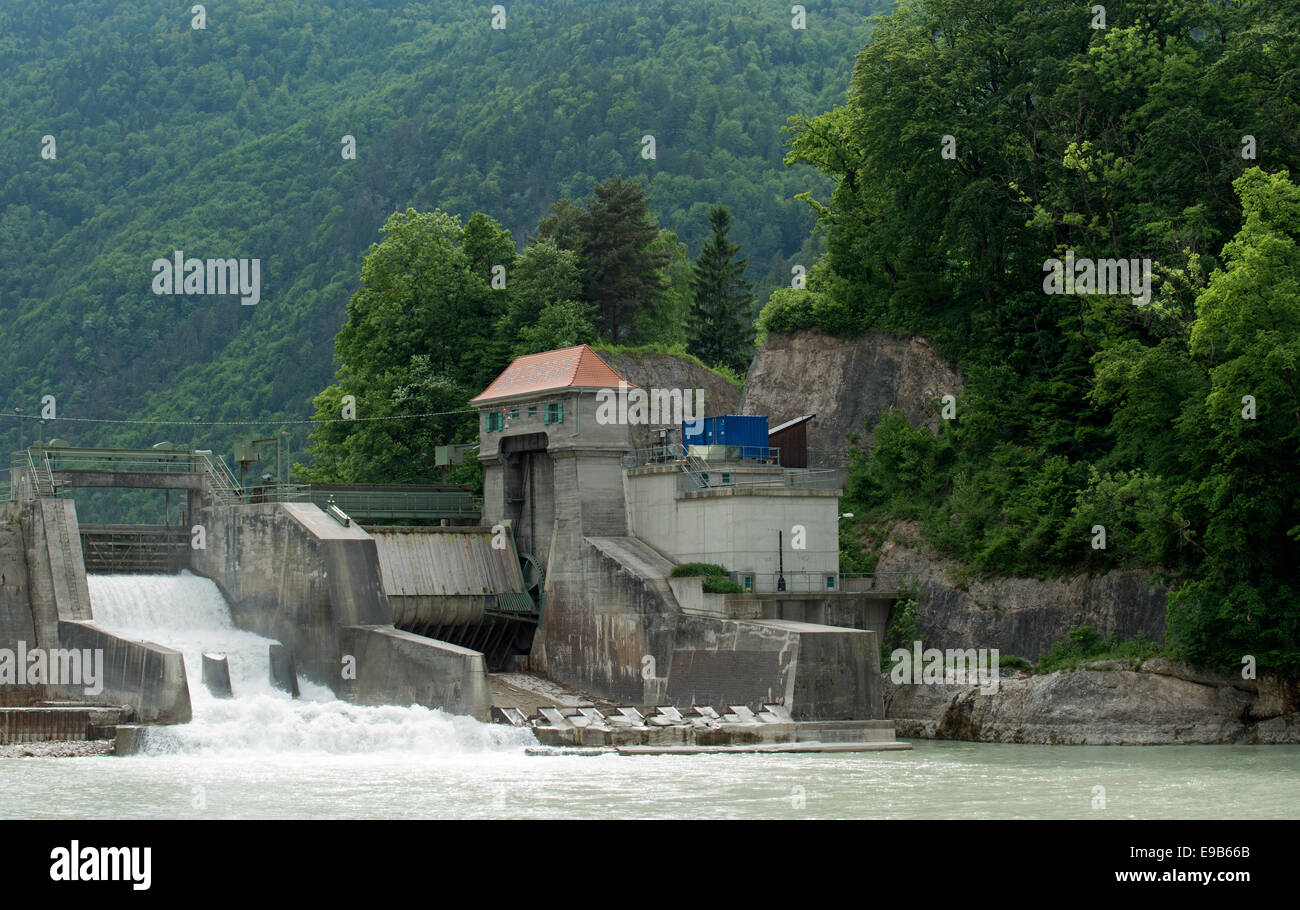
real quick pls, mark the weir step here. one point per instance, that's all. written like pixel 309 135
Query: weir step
pixel 50 724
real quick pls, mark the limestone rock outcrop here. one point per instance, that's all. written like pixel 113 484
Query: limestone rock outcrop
pixel 845 381
pixel 1020 616
pixel 1156 702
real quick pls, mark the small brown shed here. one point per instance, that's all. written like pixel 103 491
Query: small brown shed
pixel 792 439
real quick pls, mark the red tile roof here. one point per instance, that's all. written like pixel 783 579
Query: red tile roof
pixel 569 368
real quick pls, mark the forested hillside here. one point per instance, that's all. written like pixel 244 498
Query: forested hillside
pixel 1154 426
pixel 228 141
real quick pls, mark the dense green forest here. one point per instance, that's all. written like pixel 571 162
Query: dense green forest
pixel 980 141
pixel 228 141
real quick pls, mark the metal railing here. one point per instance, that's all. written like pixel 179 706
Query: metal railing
pixel 888 582
pixel 28 481
pixel 220 477
pixel 41 474
pixel 711 455
pixel 67 458
pixel 363 504
pixel 718 477
pixel 39 463
pixel 817 582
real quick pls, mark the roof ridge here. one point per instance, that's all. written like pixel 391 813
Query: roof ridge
pixel 577 366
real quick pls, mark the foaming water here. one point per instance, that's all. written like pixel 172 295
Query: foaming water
pixel 188 613
pixel 264 755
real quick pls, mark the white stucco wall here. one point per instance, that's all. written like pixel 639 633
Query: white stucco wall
pixel 736 527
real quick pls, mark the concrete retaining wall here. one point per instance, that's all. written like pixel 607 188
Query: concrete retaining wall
pixel 292 573
pixel 736 527
pixel 613 627
pixel 148 677
pixel 608 607
pixel 45 603
pixel 818 672
pixel 396 667
pixel 16 620
pixel 56 574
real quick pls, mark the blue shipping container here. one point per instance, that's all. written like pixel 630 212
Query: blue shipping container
pixel 746 431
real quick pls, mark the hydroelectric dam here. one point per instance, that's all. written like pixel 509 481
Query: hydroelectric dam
pixel 565 574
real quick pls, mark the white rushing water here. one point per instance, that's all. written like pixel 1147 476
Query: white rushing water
pixel 188 613
pixel 264 755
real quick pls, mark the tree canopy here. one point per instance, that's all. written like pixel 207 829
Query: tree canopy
pixel 980 141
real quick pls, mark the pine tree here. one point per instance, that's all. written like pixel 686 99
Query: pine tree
pixel 623 267
pixel 722 326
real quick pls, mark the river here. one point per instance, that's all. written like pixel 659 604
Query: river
pixel 265 755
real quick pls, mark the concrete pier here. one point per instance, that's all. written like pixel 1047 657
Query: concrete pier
pixel 216 675
pixel 283 669
pixel 45 603
pixel 291 572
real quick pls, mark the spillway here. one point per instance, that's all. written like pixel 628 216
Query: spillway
pixel 187 612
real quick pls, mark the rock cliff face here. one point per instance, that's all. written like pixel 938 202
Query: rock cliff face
pixel 1103 703
pixel 665 371
pixel 1020 616
pixel 845 381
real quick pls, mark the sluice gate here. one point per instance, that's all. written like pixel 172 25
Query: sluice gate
pixel 134 549
pixel 462 585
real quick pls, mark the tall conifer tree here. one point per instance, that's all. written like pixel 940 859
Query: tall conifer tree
pixel 722 325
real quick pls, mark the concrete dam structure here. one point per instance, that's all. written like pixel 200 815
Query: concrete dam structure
pixel 290 571
pixel 569 575
pixel 609 507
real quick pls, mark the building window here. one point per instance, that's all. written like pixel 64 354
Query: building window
pixel 532 411
pixel 514 413
pixel 749 584
pixel 493 422
pixel 830 582
pixel 554 413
